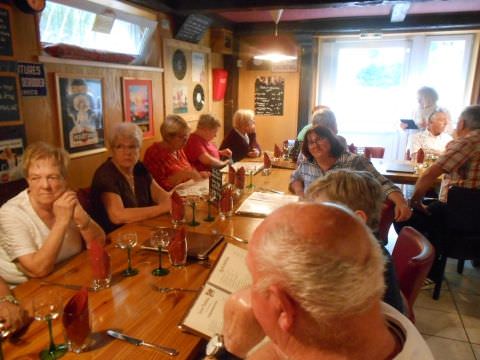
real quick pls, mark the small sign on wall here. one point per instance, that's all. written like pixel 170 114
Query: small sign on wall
pixel 269 95
pixel 32 79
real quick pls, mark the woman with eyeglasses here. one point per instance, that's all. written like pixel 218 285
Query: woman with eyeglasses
pixel 123 190
pixel 166 159
pixel 44 224
pixel 324 152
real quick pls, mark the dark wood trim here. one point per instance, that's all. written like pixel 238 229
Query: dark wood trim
pixel 306 43
pixel 230 104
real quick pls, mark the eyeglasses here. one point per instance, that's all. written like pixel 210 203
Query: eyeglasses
pixel 315 141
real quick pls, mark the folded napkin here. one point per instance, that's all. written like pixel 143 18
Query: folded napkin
pixel 178 208
pixel 267 163
pixel 226 200
pixel 240 178
pixel 177 249
pixel 277 152
pixel 76 317
pixel 420 156
pixel 99 260
pixel 231 175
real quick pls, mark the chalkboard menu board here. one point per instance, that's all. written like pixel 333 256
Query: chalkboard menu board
pixel 269 93
pixel 6 48
pixel 9 107
pixel 193 28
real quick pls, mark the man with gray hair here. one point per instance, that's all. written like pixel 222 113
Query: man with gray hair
pixel 316 297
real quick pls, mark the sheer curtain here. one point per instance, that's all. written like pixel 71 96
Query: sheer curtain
pixel 372 84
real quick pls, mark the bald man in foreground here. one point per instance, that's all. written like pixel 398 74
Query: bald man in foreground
pixel 316 292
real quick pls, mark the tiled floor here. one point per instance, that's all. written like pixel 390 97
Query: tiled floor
pixel 451 325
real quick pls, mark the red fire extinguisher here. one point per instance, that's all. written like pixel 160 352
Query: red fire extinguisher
pixel 219 83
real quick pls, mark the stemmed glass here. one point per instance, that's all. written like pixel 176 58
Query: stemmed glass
pixel 192 202
pixel 47 306
pixel 4 331
pixel 160 239
pixel 250 185
pixel 209 217
pixel 128 241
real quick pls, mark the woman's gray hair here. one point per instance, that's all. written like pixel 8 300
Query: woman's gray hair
pixel 172 126
pixel 209 122
pixel 326 118
pixel 242 117
pixel 125 130
pixel 429 93
pixel 41 151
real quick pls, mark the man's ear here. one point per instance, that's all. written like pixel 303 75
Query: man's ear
pixel 362 215
pixel 285 307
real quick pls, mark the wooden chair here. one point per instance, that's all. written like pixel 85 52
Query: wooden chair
pixel 386 219
pixel 374 152
pixel 461 239
pixel 412 258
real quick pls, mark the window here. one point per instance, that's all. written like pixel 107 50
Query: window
pixel 73 25
pixel 372 84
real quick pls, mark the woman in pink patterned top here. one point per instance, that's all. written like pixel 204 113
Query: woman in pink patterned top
pixel 166 160
pixel 200 151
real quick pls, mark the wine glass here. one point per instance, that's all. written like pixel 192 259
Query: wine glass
pixel 47 306
pixel 192 202
pixel 160 239
pixel 250 186
pixel 210 200
pixel 4 329
pixel 128 241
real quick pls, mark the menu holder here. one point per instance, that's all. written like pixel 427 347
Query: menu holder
pixel 230 274
pixel 261 204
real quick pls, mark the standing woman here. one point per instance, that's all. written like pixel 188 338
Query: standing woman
pixel 123 190
pixel 324 152
pixel 242 140
pixel 45 223
pixel 166 159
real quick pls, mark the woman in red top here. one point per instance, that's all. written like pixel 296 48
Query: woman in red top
pixel 200 150
pixel 166 160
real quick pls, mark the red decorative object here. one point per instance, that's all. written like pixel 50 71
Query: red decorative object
pixel 99 260
pixel 277 152
pixel 240 178
pixel 267 163
pixel 420 156
pixel 76 317
pixel 219 83
pixel 178 208
pixel 177 249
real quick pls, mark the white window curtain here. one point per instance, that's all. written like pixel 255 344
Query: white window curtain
pixel 372 84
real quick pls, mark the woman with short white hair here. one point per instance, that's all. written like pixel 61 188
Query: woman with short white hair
pixel 123 190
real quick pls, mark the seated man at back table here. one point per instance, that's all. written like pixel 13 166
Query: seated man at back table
pixel 433 139
pixel 316 297
pixel 461 165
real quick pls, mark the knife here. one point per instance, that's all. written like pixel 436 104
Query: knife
pixel 139 342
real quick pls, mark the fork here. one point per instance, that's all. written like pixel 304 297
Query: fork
pixel 169 289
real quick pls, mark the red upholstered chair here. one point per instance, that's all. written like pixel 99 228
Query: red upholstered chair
pixel 412 258
pixel 386 219
pixel 83 195
pixel 374 152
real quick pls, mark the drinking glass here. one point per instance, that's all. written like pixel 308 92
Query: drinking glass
pixel 225 204
pixel 128 241
pixel 47 306
pixel 250 186
pixel 192 202
pixel 101 270
pixel 160 239
pixel 209 217
pixel 77 329
pixel 4 331
pixel 177 251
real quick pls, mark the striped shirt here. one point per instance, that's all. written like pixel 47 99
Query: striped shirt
pixel 461 162
pixel 307 171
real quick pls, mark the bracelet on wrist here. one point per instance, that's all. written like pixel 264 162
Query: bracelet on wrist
pixel 84 226
pixel 10 299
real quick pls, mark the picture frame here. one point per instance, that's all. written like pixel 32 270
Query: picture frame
pixel 138 104
pixel 80 114
pixel 10 109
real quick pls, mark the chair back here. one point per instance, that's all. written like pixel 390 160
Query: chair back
pixel 83 195
pixel 374 152
pixel 412 258
pixel 386 219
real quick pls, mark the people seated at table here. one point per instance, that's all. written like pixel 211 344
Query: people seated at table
pixel 324 152
pixel 362 193
pixel 45 223
pixel 15 316
pixel 433 139
pixel 317 284
pixel 201 151
pixel 123 190
pixel 242 139
pixel 166 160
pixel 461 165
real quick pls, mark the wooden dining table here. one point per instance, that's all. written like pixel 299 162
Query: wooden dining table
pixel 131 305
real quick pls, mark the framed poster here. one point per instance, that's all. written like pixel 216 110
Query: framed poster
pixel 80 114
pixel 138 104
pixel 9 99
pixel 6 41
pixel 12 145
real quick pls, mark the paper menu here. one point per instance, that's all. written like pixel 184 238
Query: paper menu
pixel 263 204
pixel 193 188
pixel 230 274
pixel 254 166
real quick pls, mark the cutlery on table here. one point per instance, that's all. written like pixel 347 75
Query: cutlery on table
pixel 168 289
pixel 140 342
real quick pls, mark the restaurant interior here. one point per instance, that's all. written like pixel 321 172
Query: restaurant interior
pixel 196 57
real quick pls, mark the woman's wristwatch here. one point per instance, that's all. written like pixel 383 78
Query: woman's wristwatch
pixel 216 349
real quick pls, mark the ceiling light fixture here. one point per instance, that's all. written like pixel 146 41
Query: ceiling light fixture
pixel 279 49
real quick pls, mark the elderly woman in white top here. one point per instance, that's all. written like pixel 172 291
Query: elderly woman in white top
pixel 45 223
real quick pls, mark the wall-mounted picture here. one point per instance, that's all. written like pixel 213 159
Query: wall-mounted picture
pixel 12 143
pixel 80 109
pixel 180 99
pixel 9 99
pixel 138 104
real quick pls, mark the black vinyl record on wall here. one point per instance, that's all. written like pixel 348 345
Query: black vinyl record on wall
pixel 198 97
pixel 179 64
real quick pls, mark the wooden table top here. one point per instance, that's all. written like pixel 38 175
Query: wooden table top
pixel 131 305
pixel 397 177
